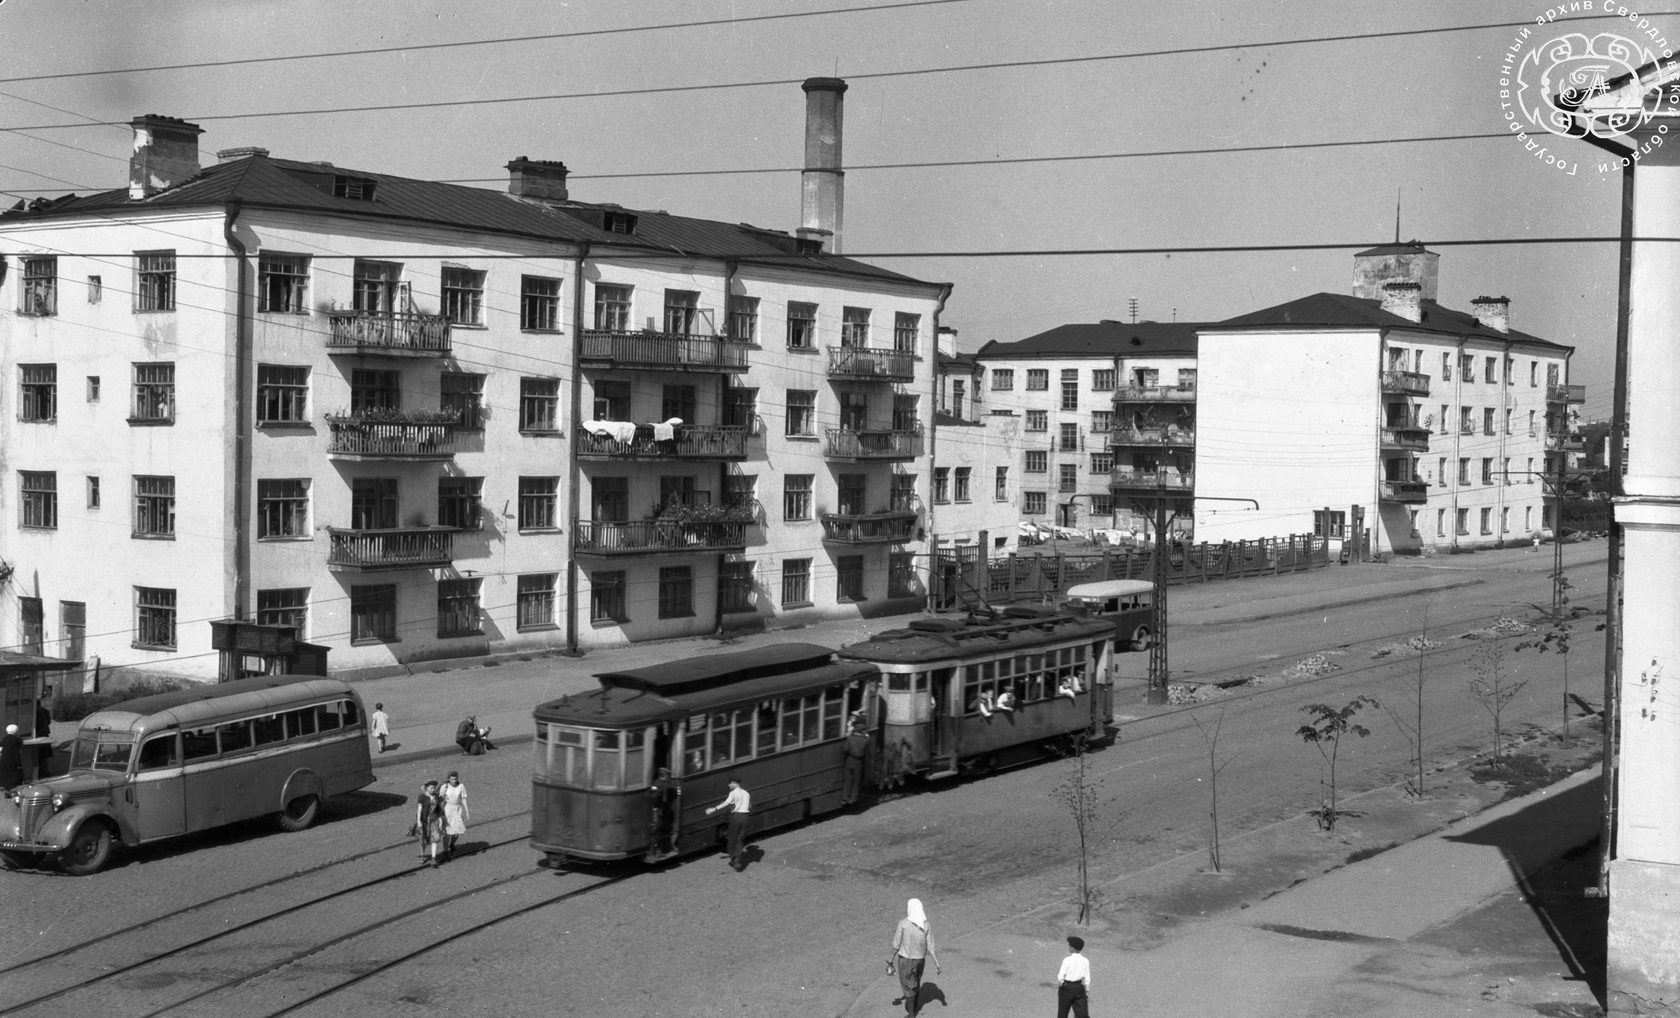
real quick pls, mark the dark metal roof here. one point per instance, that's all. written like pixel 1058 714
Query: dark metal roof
pixel 1339 311
pixel 1106 338
pixel 674 677
pixel 946 637
pixel 629 707
pixel 194 704
pixel 1409 247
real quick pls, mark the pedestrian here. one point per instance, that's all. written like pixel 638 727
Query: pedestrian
pixel 381 725
pixel 912 946
pixel 857 750
pixel 43 726
pixel 738 803
pixel 1073 982
pixel 455 815
pixel 428 823
pixel 1536 542
pixel 666 794
pixel 11 759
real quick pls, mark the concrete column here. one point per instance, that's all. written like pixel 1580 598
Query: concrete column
pixel 1644 879
pixel 823 182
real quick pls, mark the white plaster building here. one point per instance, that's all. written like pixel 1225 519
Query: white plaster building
pixel 975 460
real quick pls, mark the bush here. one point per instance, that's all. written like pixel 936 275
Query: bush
pixel 76 706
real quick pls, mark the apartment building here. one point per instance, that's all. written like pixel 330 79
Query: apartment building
pixel 975 460
pixel 415 421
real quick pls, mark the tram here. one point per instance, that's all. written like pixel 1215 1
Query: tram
pixel 627 770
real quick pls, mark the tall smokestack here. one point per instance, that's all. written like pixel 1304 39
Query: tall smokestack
pixel 165 154
pixel 822 185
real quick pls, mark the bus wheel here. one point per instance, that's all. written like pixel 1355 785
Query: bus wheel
pixel 299 813
pixel 89 850
pixel 1140 640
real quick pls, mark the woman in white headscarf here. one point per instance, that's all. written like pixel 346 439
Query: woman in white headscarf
pixel 912 946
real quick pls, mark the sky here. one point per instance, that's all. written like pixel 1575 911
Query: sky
pixel 1070 154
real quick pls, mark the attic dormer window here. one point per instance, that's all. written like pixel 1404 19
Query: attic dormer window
pixel 620 222
pixel 354 188
pixel 808 246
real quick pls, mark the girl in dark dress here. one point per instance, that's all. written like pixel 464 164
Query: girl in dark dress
pixel 428 823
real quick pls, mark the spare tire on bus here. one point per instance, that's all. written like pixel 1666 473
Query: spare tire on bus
pixel 299 814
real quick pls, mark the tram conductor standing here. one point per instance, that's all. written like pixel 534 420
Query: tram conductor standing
pixel 738 803
pixel 857 750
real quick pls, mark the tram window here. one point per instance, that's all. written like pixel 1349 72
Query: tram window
pixel 766 729
pixel 898 682
pixel 198 743
pixel 790 722
pixel 607 762
pixel 834 709
pixel 813 718
pixel 723 743
pixel 161 752
pixel 568 756
pixel 300 723
pixel 269 729
pixel 234 736
pixel 920 683
pixel 635 759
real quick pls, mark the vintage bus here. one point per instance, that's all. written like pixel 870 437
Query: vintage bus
pixel 173 763
pixel 1129 604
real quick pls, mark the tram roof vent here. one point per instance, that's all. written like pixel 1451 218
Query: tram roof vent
pixel 937 625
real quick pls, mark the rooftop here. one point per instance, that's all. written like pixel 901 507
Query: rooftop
pixel 1106 338
pixel 1340 311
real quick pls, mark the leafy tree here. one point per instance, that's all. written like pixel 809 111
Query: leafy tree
pixel 1324 732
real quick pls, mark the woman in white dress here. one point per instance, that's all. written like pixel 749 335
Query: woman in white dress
pixel 455 815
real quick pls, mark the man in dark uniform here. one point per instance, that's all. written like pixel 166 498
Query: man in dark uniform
pixel 857 751
pixel 664 813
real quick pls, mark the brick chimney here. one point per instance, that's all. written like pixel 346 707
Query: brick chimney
pixel 1410 262
pixel 165 154
pixel 1403 299
pixel 822 184
pixel 1493 313
pixel 537 179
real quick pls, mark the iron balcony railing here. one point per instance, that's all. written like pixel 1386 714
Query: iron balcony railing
pixel 658 537
pixel 396 548
pixel 880 365
pixel 1405 383
pixel 1133 479
pixel 1405 491
pixel 1406 438
pixel 404 334
pixel 356 438
pixel 1566 394
pixel 662 351
pixel 1170 434
pixel 874 445
pixel 687 443
pixel 1155 394
pixel 890 527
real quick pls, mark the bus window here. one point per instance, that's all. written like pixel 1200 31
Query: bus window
pixel 608 763
pixel 234 736
pixel 635 759
pixel 104 751
pixel 198 744
pixel 269 729
pixel 159 753
pixel 300 722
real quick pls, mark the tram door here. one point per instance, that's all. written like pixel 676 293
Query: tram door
pixel 942 724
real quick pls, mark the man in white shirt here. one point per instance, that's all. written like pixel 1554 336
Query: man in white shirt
pixel 738 803
pixel 1073 982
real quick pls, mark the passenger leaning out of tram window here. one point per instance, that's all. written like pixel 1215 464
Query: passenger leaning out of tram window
pixel 1006 701
pixel 1069 687
pixel 983 703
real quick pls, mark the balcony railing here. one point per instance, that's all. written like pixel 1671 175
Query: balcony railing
pixel 369 551
pixel 874 445
pixel 1405 491
pixel 687 443
pixel 1155 394
pixel 1170 434
pixel 357 438
pixel 1566 394
pixel 662 351
pixel 1133 479
pixel 657 537
pixel 398 335
pixel 1407 438
pixel 879 365
pixel 868 528
pixel 1405 383
pixel 1565 443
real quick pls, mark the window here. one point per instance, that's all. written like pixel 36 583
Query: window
pixel 1490 370
pixel 93 388
pixel 1463 522
pixel 1102 379
pixel 373 503
pixel 1102 421
pixel 1466 421
pixel 612 400
pixel 1531 424
pixel 1069 434
pixel 1329 524
pixel 960 493
pixel 854 326
pixel 942 484
pixel 1528 519
pixel 1038 461
pixel 1102 462
pixel 907 329
pixel 1038 379
pixel 1487 469
pixel 463 295
pixel 1102 505
pixel 740 408
pixel 1033 502
pixel 743 318
pixel 682 312
pixel 1441 518
pixel 374 390
pixel 1067 477
pixel 1186 378
pixel 1003 380
pixel 282 283
pixel 38 392
pixel 282 394
pixel 901 574
pixel 1487 521
pixel 464 394
pixel 1467 367
pixel 374 286
pixel 154 392
pixel 1505 520
pixel 1533 374
pixel 460 502
pixel 1147 378
pixel 283 606
pixel 736 587
pixel 678 401
pixel 154 617
pixel 612 308
pixel 801 326
pixel 1441 471
pixel 959 393
pixel 38 504
pixel 676 592
pixel 1446 367
pixel 539 405
pixel 38 292
pixel 1038 420
pixel 1464 470
pixel 538 502
pixel 801 411
pixel 457 608
pixel 902 497
pixel 854 494
pixel 848 577
pixel 95 289
pixel 536 601
pixel 1070 388
pixel 1000 489
pixel 373 613
pixel 904 413
pixel 154 284
pixel 1510 371
pixel 606 597
pixel 154 506
pixel 283 507
pixel 796 582
pixel 1507 420
pixel 796 496
pixel 1487 420
pixel 539 304
pixel 1507 476
pixel 93 493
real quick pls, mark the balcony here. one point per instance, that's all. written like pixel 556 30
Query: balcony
pixel 891 527
pixel 870 364
pixel 1404 491
pixel 1566 393
pixel 874 445
pixel 661 351
pixel 1168 435
pixel 1133 480
pixel 1405 383
pixel 613 539
pixel 1155 394
pixel 371 551
pixel 394 335
pixel 357 437
pixel 687 443
pixel 1405 439
pixel 1565 443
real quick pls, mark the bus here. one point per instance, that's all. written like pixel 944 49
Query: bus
pixel 1129 604
pixel 174 763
